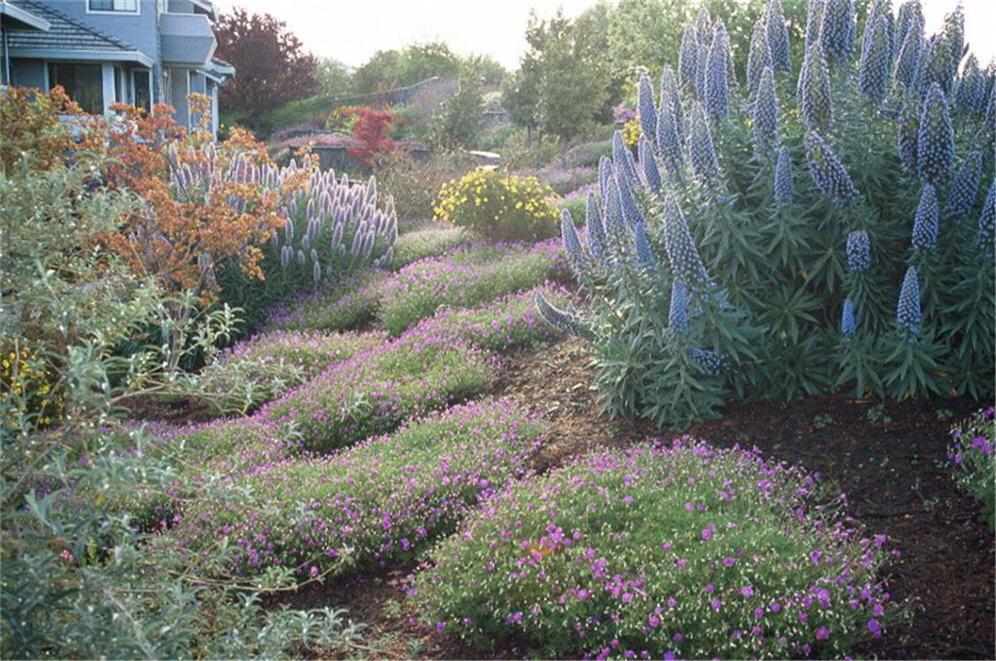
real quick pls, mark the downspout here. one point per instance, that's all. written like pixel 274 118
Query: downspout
pixel 6 58
pixel 157 65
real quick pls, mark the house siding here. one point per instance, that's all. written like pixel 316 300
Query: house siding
pixel 117 42
pixel 137 30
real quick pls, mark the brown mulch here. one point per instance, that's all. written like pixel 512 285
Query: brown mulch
pixel 888 460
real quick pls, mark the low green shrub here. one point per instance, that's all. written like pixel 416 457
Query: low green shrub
pixel 414 185
pixel 575 206
pixel 381 501
pixel 394 302
pixel 587 153
pixel 663 551
pixel 265 366
pixel 498 205
pixel 79 580
pixel 376 390
pixel 974 461
pixel 464 279
pixel 507 323
pixel 350 306
pixel 429 242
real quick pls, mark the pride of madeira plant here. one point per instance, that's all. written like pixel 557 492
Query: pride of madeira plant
pixel 333 230
pixel 713 265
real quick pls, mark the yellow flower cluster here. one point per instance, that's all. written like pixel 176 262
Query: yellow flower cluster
pixel 26 388
pixel 499 205
pixel 631 131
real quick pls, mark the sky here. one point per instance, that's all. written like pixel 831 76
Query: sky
pixel 353 30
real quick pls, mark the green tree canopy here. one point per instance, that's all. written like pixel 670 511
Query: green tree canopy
pixel 564 76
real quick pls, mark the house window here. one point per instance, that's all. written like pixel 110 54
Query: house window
pixel 123 6
pixel 143 97
pixel 84 83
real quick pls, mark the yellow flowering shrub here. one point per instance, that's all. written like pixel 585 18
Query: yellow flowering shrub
pixel 499 205
pixel 27 389
pixel 631 132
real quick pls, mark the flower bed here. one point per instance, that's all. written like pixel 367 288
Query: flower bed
pixel 348 307
pixel 680 551
pixel 510 322
pixel 974 462
pixel 376 390
pixel 430 242
pixel 465 279
pixel 266 365
pixel 381 501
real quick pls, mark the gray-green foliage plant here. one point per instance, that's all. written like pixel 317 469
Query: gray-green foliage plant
pixel 753 251
pixel 78 578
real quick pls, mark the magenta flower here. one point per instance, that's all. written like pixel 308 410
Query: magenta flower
pixel 823 633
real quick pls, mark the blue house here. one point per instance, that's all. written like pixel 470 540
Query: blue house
pixel 139 52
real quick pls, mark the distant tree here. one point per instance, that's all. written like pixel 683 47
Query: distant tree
pixel 591 36
pixel 520 94
pixel 335 80
pixel 646 33
pixel 381 72
pixel 421 61
pixel 458 124
pixel 573 79
pixel 416 62
pixel 271 65
pixel 491 71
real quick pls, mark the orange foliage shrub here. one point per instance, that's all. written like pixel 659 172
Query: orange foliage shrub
pixel 30 127
pixel 198 213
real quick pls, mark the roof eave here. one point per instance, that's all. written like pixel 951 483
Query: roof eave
pixel 82 55
pixel 24 16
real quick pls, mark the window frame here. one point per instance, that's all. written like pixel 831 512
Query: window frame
pixel 115 12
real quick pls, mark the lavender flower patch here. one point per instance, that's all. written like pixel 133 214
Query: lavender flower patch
pixel 579 194
pixel 266 365
pixel 376 390
pixel 663 551
pixel 428 242
pixel 972 454
pixel 507 323
pixel 378 502
pixel 465 279
pixel 225 447
pixel 344 308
